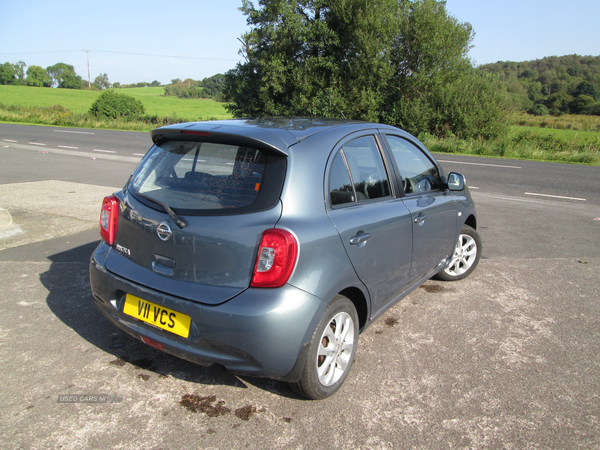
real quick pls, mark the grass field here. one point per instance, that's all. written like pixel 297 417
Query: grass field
pixel 570 135
pixel 80 101
pixel 574 122
pixel 569 138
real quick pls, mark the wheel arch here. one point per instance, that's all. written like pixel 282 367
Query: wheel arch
pixel 471 221
pixel 356 296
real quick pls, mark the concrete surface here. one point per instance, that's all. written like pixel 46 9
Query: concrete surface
pixel 508 358
pixel 505 359
pixel 51 209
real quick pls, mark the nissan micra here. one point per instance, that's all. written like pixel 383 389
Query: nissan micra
pixel 268 245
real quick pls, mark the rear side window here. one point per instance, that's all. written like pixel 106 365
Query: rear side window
pixel 208 178
pixel 357 173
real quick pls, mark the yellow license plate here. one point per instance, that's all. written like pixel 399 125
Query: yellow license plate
pixel 156 315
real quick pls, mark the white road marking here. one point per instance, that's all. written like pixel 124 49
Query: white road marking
pixel 74 132
pixel 557 196
pixel 138 154
pixel 9 140
pixel 479 164
pixel 66 146
pixel 36 143
pixel 104 151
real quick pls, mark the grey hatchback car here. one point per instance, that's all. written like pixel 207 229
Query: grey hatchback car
pixel 267 245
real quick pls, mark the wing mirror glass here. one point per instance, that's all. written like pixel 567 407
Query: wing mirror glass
pixel 456 181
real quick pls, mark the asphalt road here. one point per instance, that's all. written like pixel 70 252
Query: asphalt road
pixel 508 358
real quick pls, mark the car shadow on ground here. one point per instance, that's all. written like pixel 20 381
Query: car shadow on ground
pixel 70 299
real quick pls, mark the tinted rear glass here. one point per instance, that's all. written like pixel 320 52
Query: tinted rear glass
pixel 205 177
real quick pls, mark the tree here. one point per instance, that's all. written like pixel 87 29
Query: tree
pixel 302 58
pixel 8 74
pixel 101 82
pixel 20 72
pixel 588 89
pixel 38 76
pixel 12 73
pixel 214 85
pixel 376 60
pixel 544 79
pixel 435 87
pixel 580 103
pixel 64 76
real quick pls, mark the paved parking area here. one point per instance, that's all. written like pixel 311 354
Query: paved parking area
pixel 508 358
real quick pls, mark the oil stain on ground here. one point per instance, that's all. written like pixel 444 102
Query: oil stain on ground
pixel 213 408
pixel 435 288
pixel 208 405
pixel 245 412
pixel 391 321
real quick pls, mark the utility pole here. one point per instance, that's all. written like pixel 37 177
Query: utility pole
pixel 88 63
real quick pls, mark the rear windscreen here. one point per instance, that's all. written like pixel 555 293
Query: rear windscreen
pixel 195 177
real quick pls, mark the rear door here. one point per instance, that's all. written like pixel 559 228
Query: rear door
pixel 374 226
pixel 432 208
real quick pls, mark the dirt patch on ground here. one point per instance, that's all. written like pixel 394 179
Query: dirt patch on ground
pixel 245 412
pixel 435 288
pixel 391 321
pixel 208 405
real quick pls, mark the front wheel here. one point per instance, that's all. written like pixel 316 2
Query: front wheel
pixel 331 352
pixel 466 256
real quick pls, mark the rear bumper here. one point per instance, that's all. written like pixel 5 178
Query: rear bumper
pixel 260 332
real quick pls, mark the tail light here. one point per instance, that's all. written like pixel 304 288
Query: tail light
pixel 276 259
pixel 109 219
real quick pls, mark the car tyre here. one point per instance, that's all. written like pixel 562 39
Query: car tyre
pixel 466 256
pixel 331 351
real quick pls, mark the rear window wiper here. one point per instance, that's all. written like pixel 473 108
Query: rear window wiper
pixel 172 214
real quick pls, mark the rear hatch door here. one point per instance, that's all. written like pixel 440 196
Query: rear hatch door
pixel 223 196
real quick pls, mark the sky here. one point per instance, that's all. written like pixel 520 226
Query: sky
pixel 143 41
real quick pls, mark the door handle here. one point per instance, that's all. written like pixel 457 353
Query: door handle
pixel 420 219
pixel 360 239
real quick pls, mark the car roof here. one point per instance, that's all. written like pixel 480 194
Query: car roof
pixel 276 133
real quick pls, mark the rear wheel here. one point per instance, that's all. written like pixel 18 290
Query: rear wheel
pixel 466 256
pixel 331 352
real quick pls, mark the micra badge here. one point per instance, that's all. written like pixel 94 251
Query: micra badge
pixel 123 250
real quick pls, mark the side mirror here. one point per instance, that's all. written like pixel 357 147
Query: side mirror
pixel 456 181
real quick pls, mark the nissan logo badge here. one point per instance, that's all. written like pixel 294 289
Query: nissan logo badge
pixel 164 231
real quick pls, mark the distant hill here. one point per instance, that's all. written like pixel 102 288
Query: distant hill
pixel 555 85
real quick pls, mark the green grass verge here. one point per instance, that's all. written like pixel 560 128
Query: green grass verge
pixel 79 102
pixel 528 143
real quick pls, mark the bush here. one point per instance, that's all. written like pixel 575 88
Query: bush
pixel 114 105
pixel 592 110
pixel 539 110
pixel 578 105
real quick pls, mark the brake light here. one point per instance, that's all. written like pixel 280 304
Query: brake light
pixel 276 259
pixel 195 133
pixel 109 219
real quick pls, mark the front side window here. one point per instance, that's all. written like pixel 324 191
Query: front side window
pixel 358 173
pixel 418 172
pixel 192 176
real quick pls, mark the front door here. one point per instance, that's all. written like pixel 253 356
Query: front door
pixel 432 208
